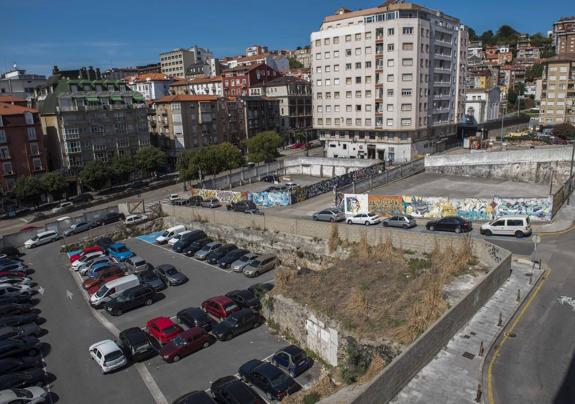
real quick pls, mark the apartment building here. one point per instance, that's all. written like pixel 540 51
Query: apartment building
pixel 303 56
pixel 564 35
pixel 256 50
pixel 18 83
pixel 483 103
pixel 295 101
pixel 151 85
pixel 206 86
pixel 181 62
pixel 87 119
pixel 558 90
pixel 22 147
pixel 388 81
pixel 247 116
pixel 238 80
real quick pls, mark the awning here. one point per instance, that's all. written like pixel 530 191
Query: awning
pixel 138 97
pixel 116 98
pixel 92 99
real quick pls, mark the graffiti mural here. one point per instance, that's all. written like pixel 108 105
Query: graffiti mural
pixel 536 208
pixel 268 199
pixel 386 205
pixel 221 195
pixel 427 207
pixel 355 203
pixel 474 208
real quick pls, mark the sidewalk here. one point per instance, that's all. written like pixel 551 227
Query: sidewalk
pixel 564 220
pixel 456 371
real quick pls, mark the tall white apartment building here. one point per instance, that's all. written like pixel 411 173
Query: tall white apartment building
pixel 388 81
pixel 180 62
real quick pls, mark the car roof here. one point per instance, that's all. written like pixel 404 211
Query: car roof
pixel 165 267
pixel 194 331
pixel 265 256
pixel 267 370
pixel 43 233
pixel 162 322
pixel 106 346
pixel 117 245
pixel 135 335
pixel 136 258
pixel 512 217
pixel 120 281
pixel 220 299
pixel 291 350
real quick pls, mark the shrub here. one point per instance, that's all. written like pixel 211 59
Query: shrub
pixel 311 398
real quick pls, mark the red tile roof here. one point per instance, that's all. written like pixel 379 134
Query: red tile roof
pixel 10 109
pixel 200 80
pixel 180 82
pixel 11 98
pixel 188 98
pixel 151 76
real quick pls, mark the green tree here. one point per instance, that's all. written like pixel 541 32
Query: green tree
pixel 472 34
pixel 539 40
pixel 294 63
pixel 487 38
pixel 506 35
pixel 122 168
pixel 95 174
pixel 264 146
pixel 547 53
pixel 564 131
pixel 209 160
pixel 150 159
pixel 54 183
pixel 232 156
pixel 28 189
pixel 534 72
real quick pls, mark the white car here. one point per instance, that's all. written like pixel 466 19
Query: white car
pixel 135 219
pixel 518 226
pixel 42 238
pixel 84 269
pixel 174 197
pixel 5 280
pixel 28 395
pixel 16 290
pixel 177 238
pixel 62 207
pixel 364 218
pixel 86 259
pixel 108 355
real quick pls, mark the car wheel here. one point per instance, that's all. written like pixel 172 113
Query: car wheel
pixel 431 228
pixel 256 324
pixel 385 224
pixel 404 226
pixel 175 358
pixel 117 313
pixel 206 344
pixel 366 223
pixel 331 219
pixel 314 218
pixel 148 302
pixel 519 234
pixel 349 222
pixel 488 233
pixel 458 229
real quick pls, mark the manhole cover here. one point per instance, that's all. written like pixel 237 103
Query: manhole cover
pixel 468 355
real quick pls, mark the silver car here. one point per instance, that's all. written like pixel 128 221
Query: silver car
pixel 77 228
pixel 260 265
pixel 210 203
pixel 403 221
pixel 239 264
pixel 136 264
pixel 206 250
pixel 329 215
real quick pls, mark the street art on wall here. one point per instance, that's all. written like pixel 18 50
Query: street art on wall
pixel 355 203
pixel 386 205
pixel 221 195
pixel 427 207
pixel 536 208
pixel 268 199
pixel 473 208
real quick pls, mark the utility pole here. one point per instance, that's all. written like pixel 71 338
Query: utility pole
pixel 501 133
pixel 571 172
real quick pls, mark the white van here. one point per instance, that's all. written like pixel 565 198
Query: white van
pixel 177 238
pixel 170 233
pixel 518 226
pixel 42 238
pixel 112 289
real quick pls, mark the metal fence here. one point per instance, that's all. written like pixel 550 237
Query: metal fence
pixel 387 176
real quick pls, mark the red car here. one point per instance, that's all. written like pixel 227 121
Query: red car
pixel 163 329
pixel 103 274
pixel 220 307
pixel 85 251
pixel 28 228
pixel 188 342
pixel 100 282
pixel 297 146
pixel 14 274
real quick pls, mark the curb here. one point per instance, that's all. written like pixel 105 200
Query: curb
pixel 557 232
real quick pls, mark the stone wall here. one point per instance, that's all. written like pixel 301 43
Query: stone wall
pixel 324 167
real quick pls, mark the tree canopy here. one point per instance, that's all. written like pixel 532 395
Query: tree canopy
pixel 150 159
pixel 263 146
pixel 54 183
pixel 122 168
pixel 95 174
pixel 294 63
pixel 209 160
pixel 564 131
pixel 28 189
pixel 534 72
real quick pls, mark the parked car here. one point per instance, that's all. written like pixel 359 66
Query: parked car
pixel 187 239
pixel 96 262
pixel 26 395
pixel 110 217
pixel 239 264
pixel 220 307
pixel 242 206
pixel 16 290
pixel 231 257
pixel 17 308
pixel 102 267
pixel 63 207
pixel 137 344
pixel 260 265
pixel 87 250
pixel 14 266
pixel 194 317
pixel 136 185
pixel 135 219
pixel 237 323
pixel 184 344
pixel 329 215
pixel 196 246
pixel 171 232
pixel 108 355
pixel 276 188
pixel 131 299
pixel 271 178
pixel 18 299
pixel 23 378
pixel 364 218
pixel 151 279
pixel 20 319
pixel 96 286
pixel 163 329
pixel 518 226
pixel 450 223
pixel 104 243
pixel 77 228
pixel 195 397
pixel 112 289
pixel 272 381
pixel 24 346
pixel 220 252
pixel 195 201
pixel 82 198
pixel 86 259
pixel 293 359
pixel 20 331
pixel 174 197
pixel 177 237
pixel 42 238
pixel 231 390
pixel 10 252
pixel 260 289
pixel 206 250
pixel 136 264
pixel 403 221
pixel 103 276
pixel 210 203
pixel 245 298
pixel 9 365
pixel 170 275
pixel 120 252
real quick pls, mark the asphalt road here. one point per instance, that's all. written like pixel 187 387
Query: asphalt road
pixel 538 364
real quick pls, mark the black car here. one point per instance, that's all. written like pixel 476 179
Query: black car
pixel 170 275
pixel 137 344
pixel 237 323
pixel 21 331
pixel 104 243
pixel 10 365
pixel 18 299
pixel 110 217
pixel 136 185
pixel 231 390
pixel 21 319
pixel 195 317
pixel 150 278
pixel 271 178
pixel 22 378
pixel 260 289
pixel 450 223
pixel 197 246
pixel 195 201
pixel 25 346
pixel 220 252
pixel 10 252
pixel 131 299
pixel 245 298
pixel 242 206
pixel 271 380
pixel 82 198
pixel 17 308
pixel 187 239
pixel 230 257
pixel 195 397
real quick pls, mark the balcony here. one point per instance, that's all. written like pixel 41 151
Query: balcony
pixel 441 96
pixel 442 70
pixel 444 56
pixel 442 83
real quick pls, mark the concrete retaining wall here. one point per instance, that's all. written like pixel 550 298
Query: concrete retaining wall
pixel 324 167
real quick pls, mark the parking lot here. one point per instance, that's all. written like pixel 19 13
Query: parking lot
pixel 194 372
pixel 301 180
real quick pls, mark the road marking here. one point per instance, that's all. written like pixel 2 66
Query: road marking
pixel 569 301
pixel 41 290
pixel 509 331
pixel 69 294
pixel 151 384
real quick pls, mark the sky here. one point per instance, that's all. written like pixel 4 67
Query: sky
pixel 37 34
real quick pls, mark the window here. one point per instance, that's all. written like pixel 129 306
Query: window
pixel 389 122
pixel 336 121
pixel 328 121
pixel 389 107
pixel 367 121
pixel 336 54
pixel 406 122
pixel 326 41
pixel 336 82
pixel 358 37
pixel 348 66
pixel 29 118
pixel 407 30
pixel 357 121
pixel 326 55
pixel 336 68
pixel 348 108
pixel 407 46
pixel 368 50
pixel 368 35
pixel 357 51
pixel 318 83
pixel 320 121
pixel 348 121
pixel 328 95
pixel 328 108
pixel 348 38
pixel 319 96
pixel 318 56
pixel 407 62
pixel 390 78
pixel 4 153
pixel 390 47
pixel 336 108
pixel 318 42
pixel 3 136
pixel 328 82
pixel 7 168
pixel 357 79
pixel 367 93
pixel 390 31
pixel 318 69
pixel 34 149
pixel 367 79
pixel 319 108
pixel 368 107
pixel 358 107
pixel 358 94
pixel 406 92
pixel 336 94
pixel 348 52
pixel 348 94
pixel 358 65
pixel 368 64
pixel 390 92
pixel 406 107
pixel 390 62
pixel 335 40
pixel 406 77
pixel 348 80
pixel 31 133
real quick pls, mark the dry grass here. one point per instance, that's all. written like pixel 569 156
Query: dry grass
pixel 377 363
pixel 334 240
pixel 324 387
pixel 375 293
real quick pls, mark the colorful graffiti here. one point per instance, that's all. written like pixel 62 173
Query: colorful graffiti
pixel 474 208
pixel 221 195
pixel 536 208
pixel 268 199
pixel 386 204
pixel 355 203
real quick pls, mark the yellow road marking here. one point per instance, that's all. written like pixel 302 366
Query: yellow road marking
pixel 506 335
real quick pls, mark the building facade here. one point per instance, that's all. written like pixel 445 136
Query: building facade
pixel 483 104
pixel 206 86
pixel 558 90
pixel 182 62
pixel 250 115
pixel 22 146
pixel 564 35
pixel 18 83
pixel 151 85
pixel 388 81
pixel 88 120
pixel 237 81
pixel 303 56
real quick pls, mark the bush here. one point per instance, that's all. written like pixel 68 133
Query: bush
pixel 311 398
pixel 356 364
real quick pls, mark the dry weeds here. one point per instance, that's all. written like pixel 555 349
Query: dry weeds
pixel 324 387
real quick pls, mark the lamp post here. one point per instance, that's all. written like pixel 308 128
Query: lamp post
pixel 571 172
pixel 501 132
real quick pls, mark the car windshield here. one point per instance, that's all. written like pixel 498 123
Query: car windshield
pixel 280 379
pixel 255 263
pixel 230 321
pixel 171 329
pixel 244 258
pixel 171 271
pixel 409 217
pixel 179 341
pixel 165 234
pixel 102 291
pixel 112 356
pixel 230 306
pixel 122 249
pixel 298 357
pixel 35 238
pixel 22 393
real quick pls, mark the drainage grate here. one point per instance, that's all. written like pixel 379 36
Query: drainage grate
pixel 468 355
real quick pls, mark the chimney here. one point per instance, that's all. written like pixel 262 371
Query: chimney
pixel 91 73
pixel 98 74
pixel 55 71
pixel 83 73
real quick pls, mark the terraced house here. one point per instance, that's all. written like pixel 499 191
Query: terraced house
pixel 88 118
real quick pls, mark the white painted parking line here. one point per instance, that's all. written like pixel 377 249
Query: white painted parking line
pixel 151 384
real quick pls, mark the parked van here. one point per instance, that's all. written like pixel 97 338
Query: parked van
pixel 42 238
pixel 112 289
pixel 518 226
pixel 170 233
pixel 177 237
